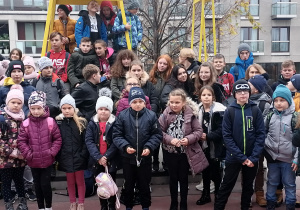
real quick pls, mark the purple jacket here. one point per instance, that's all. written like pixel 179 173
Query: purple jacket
pixel 192 131
pixel 39 143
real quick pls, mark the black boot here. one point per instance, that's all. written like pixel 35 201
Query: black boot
pixel 174 205
pixel 205 198
pixel 271 205
pixel 183 205
pixel 290 206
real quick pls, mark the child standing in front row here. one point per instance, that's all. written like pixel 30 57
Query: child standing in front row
pixel 40 150
pixel 281 154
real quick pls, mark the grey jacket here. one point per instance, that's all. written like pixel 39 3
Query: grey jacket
pixel 258 98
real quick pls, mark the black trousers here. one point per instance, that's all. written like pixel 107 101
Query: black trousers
pixel 212 173
pixel 231 174
pixel 42 183
pixel 142 177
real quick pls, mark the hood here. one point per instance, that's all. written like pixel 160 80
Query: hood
pixel 31 76
pixel 91 52
pixel 83 13
pixel 61 116
pixel 110 120
pixel 215 107
pixel 8 81
pixel 283 81
pixel 112 13
pixel 110 51
pixel 193 64
pixel 242 63
pixel 143 79
pixel 261 97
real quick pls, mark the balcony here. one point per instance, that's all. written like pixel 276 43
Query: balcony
pixel 30 47
pixel 253 10
pixel 4 47
pixel 257 46
pixel 219 11
pixel 284 10
pixel 280 46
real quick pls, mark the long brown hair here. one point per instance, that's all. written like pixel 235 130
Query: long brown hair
pixel 166 74
pixel 213 77
pixel 209 88
pixel 117 69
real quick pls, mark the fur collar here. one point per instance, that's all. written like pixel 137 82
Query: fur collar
pixel 143 79
pixel 110 120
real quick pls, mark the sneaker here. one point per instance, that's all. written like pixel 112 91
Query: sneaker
pixel 30 195
pixel 200 187
pixel 14 196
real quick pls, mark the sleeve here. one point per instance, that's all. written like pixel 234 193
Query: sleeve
pixel 266 110
pixel 111 152
pixel 139 30
pixel 54 27
pixel 2 96
pixel 148 105
pixel 64 76
pixel 63 91
pixel 231 71
pixel 72 36
pixel 153 98
pixel 79 30
pixel 120 107
pixel 164 126
pixel 103 32
pixel 90 142
pixel 118 137
pixel 23 143
pixel 164 97
pixel 216 135
pixel 56 140
pixel 71 70
pixel 117 28
pixel 196 131
pixel 156 135
pixel 78 94
pixel 231 81
pixel 296 138
pixel 114 88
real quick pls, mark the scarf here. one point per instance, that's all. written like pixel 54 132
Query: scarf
pixel 20 116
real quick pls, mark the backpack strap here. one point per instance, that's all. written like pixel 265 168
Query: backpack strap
pixel 262 105
pixel 48 54
pixel 294 121
pixel 50 124
pixel 26 124
pixel 67 56
pixel 231 113
pixel 236 72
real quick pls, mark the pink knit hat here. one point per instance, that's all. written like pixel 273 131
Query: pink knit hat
pixel 29 61
pixel 16 91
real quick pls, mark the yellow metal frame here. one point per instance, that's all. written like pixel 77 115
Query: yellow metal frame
pixel 51 16
pixel 202 28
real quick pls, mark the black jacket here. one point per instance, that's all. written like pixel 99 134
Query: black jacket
pixel 152 93
pixel 281 80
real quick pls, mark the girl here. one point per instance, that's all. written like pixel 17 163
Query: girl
pixel 108 16
pixel 187 57
pixel 15 54
pixel 3 68
pixel 73 155
pixel 181 132
pixel 40 150
pixel 12 163
pixel 206 75
pixel 119 70
pixel 30 74
pixel 210 117
pixel 178 79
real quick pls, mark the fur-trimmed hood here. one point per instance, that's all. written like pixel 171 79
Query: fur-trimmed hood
pixel 143 79
pixel 110 120
pixel 61 116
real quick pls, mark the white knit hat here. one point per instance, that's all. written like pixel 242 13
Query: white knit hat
pixel 68 99
pixel 105 100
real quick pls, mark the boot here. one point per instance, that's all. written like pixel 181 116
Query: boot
pixel 271 205
pixel 205 198
pixel 260 199
pixel 73 206
pixel 80 206
pixel 174 205
pixel 183 205
pixel 23 204
pixel 9 206
pixel 279 197
pixel 290 206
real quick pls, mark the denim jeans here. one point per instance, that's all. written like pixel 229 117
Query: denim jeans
pixel 284 171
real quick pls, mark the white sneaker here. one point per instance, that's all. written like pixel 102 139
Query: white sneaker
pixel 200 187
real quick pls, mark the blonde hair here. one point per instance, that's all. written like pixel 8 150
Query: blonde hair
pixel 212 79
pixel 136 63
pixel 258 67
pixel 288 63
pixel 187 53
pixel 178 92
pixel 80 122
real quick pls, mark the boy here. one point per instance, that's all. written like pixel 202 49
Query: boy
pixel 223 77
pixel 136 134
pixel 281 154
pixel 133 25
pixel 78 60
pixel 243 149
pixel 51 84
pixel 294 86
pixel 86 94
pixel 287 71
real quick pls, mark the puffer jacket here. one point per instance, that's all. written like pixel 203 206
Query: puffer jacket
pixel 83 27
pixel 297 101
pixel 9 129
pixel 192 131
pixel 242 65
pixel 279 137
pixel 259 98
pixel 66 30
pixel 73 155
pixel 139 130
pixel 38 143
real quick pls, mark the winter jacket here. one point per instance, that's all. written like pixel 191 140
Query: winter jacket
pixel 39 144
pixel 192 70
pixel 116 86
pixel 244 136
pixel 27 90
pixel 73 155
pixel 192 131
pixel 135 33
pixel 139 130
pixel 297 101
pixel 86 96
pixel 214 136
pixel 92 138
pixel 54 89
pixel 278 143
pixel 262 98
pixel 107 62
pixel 83 27
pixel 31 78
pixel 281 80
pixel 67 30
pixel 9 129
pixel 242 66
pixel 227 81
pixel 77 62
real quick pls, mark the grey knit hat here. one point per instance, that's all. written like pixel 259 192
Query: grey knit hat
pixel 104 100
pixel 132 4
pixel 68 99
pixel 243 47
pixel 44 62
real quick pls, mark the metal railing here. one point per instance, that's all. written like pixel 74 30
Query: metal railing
pixel 219 9
pixel 257 46
pixel 30 46
pixel 280 46
pixel 284 8
pixel 4 47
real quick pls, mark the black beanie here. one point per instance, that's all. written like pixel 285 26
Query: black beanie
pixel 241 85
pixel 16 64
pixel 64 8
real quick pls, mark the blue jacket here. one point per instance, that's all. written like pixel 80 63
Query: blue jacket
pixel 244 136
pixel 135 33
pixel 242 67
pixel 83 25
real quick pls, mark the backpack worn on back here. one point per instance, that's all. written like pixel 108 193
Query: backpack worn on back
pixel 293 120
pixel 236 73
pixel 49 122
pixel 254 110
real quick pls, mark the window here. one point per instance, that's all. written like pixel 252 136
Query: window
pixel 180 10
pixel 280 39
pixel 249 34
pixel 210 40
pixel 284 7
pixel 23 5
pixel 253 7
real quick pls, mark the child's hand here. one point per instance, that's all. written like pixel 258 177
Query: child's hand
pixel 184 141
pixel 128 26
pixel 250 164
pixel 175 142
pixel 203 137
pixel 130 150
pixel 103 161
pixel 146 152
pixel 294 166
pixel 245 162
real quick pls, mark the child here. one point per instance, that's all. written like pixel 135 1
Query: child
pixel 99 142
pixel 90 24
pixel 287 71
pixel 281 154
pixel 136 134
pixel 51 84
pixel 15 54
pixel 181 133
pixel 243 134
pixel 78 60
pixel 294 86
pixel 3 68
pixel 30 74
pixel 210 117
pixel 223 77
pixel 12 163
pixel 40 150
pixel 187 57
pixel 85 94
pixel 73 155
pixel 133 25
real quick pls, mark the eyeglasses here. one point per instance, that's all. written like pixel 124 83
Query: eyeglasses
pixel 132 84
pixel 242 87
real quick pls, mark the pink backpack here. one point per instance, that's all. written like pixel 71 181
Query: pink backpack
pixel 49 122
pixel 106 186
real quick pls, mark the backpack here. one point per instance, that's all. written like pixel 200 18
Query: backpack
pixel 293 120
pixel 49 122
pixel 254 111
pixel 236 73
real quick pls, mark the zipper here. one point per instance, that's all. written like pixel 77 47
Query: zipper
pixel 138 163
pixel 244 130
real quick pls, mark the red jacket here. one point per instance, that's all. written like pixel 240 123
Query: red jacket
pixel 60 64
pixel 227 81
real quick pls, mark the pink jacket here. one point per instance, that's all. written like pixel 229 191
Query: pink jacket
pixel 39 143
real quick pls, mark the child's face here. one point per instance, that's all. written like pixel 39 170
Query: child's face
pixel 61 13
pixel 206 97
pixel 137 71
pixel 106 12
pixel 280 104
pixel 15 55
pixel 204 73
pixel 219 64
pixel 132 82
pixel 85 47
pixel 16 75
pixel 126 62
pixel 244 55
pixel 176 103
pixel 288 72
pixel 137 104
pixel 67 110
pixel 133 11
pixel 252 72
pixel 291 87
pixel 56 42
pixel 28 69
pixel 162 65
pixel 103 114
pixel 182 75
pixel 15 105
pixel 253 89
pixel 100 50
pixel 96 78
pixel 36 110
pixel 242 96
pixel 47 72
pixel 93 6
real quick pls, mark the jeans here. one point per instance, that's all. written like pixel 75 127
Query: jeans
pixel 283 171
